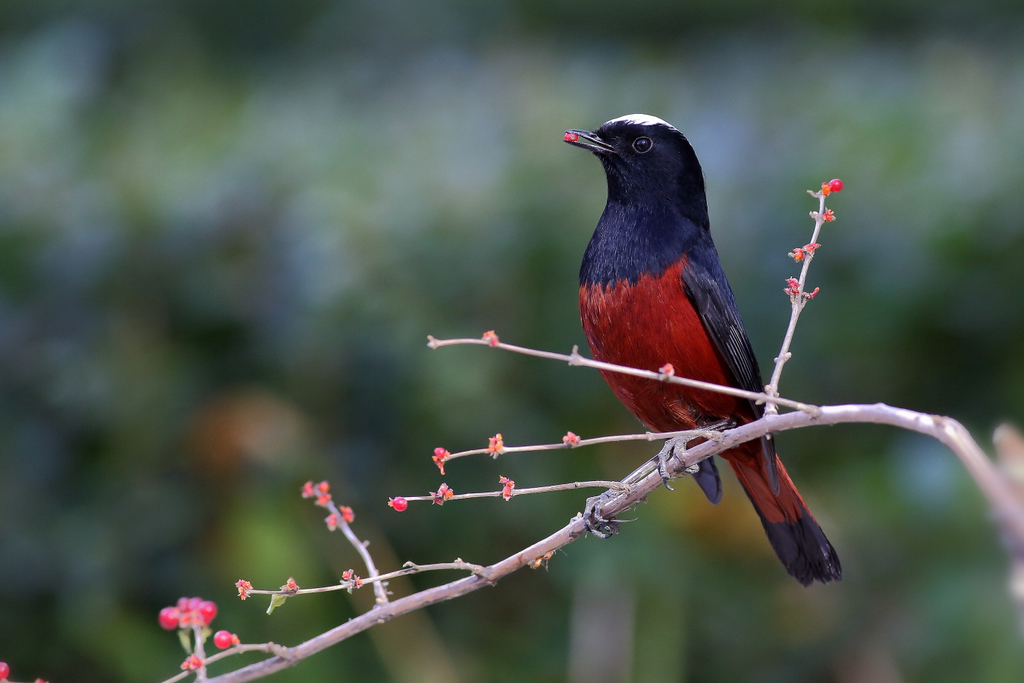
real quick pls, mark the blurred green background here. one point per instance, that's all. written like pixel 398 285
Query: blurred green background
pixel 226 229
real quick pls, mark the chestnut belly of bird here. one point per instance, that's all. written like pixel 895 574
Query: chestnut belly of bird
pixel 652 321
pixel 645 325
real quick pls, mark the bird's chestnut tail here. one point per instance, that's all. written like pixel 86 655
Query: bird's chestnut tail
pixel 793 532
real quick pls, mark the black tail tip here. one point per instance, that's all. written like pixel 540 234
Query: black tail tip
pixel 804 550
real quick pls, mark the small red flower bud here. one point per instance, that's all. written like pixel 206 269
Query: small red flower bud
pixel 323 487
pixel 332 521
pixel 399 504
pixel 829 216
pixel 224 639
pixel 168 618
pixel 347 514
pixel 570 440
pixel 307 490
pixel 207 611
pixel 5 670
pixel 490 337
pixel 506 487
pixel 836 185
pixel 290 586
pixel 797 254
pixel 792 286
pixel 443 493
pixel 495 445
pixel 243 588
pixel 191 663
pixel 667 370
pixel 323 499
pixel 811 295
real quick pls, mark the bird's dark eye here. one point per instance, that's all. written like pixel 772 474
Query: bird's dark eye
pixel 643 145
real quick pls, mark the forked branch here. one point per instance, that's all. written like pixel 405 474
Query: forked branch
pixel 1009 511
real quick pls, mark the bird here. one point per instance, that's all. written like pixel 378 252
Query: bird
pixel 653 292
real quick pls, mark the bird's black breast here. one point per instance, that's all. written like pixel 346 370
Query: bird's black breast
pixel 633 240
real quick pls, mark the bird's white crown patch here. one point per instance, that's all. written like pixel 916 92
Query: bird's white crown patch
pixel 642 120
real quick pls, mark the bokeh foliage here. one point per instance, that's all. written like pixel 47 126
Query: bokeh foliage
pixel 227 228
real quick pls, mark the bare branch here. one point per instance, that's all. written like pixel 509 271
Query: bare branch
pixel 350 584
pixel 946 430
pixel 577 360
pixel 580 443
pixel 551 488
pixel 379 589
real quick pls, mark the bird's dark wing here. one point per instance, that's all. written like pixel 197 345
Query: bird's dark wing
pixel 709 291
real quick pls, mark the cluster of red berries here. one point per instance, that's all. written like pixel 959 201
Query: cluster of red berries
pixel 191 612
pixel 188 612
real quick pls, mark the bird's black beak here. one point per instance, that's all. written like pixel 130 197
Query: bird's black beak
pixel 588 140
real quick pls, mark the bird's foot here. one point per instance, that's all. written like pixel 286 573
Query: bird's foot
pixel 669 452
pixel 674 448
pixel 594 522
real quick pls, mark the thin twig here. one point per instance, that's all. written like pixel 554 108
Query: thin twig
pixel 798 301
pixel 269 648
pixel 349 584
pixel 645 436
pixel 570 486
pixel 576 359
pixel 380 591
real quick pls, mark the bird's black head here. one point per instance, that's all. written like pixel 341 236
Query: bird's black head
pixel 656 212
pixel 648 162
